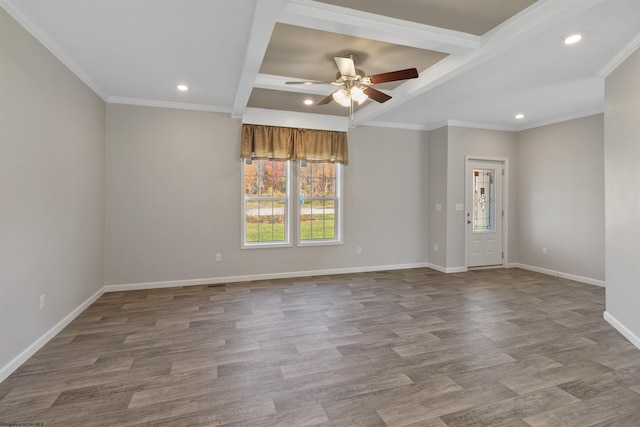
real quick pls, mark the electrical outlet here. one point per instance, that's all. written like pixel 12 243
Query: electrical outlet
pixel 41 301
pixel 218 257
pixel 544 251
pixel 359 249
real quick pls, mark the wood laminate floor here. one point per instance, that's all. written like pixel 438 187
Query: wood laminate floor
pixel 409 347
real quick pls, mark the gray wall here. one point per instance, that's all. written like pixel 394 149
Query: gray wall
pixel 622 193
pixel 437 193
pixel 51 190
pixel 173 200
pixel 560 197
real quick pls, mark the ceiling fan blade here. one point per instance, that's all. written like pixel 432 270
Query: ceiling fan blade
pixel 346 66
pixel 376 95
pixel 326 100
pixel 409 73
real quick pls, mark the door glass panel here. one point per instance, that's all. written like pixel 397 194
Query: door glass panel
pixel 484 212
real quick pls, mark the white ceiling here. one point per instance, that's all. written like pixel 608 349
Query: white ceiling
pixel 480 61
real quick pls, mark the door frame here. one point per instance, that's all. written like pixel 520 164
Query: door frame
pixel 505 205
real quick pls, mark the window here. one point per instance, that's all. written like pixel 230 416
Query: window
pixel 319 212
pixel 265 203
pixel 484 215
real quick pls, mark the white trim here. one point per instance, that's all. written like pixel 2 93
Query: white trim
pixel 447 270
pixel 438 125
pixel 575 116
pixel 620 57
pixel 17 361
pixel 166 104
pixel 477 125
pixel 292 119
pixel 29 24
pixel 256 277
pixel 560 274
pixel 264 21
pixel 626 332
pixel 393 125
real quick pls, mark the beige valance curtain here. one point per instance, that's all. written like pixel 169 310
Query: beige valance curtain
pixel 272 142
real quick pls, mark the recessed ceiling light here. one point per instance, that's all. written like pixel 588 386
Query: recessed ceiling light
pixel 519 116
pixel 308 102
pixel 183 88
pixel 572 38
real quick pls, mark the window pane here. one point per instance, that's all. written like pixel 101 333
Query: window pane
pixel 317 220
pixel 329 186
pixel 305 183
pixel 250 180
pixel 318 202
pixel 483 200
pixel 271 221
pixel 265 220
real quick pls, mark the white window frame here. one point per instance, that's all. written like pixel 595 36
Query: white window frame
pixel 287 212
pixel 337 210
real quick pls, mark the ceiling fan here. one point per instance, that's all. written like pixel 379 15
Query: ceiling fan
pixel 356 86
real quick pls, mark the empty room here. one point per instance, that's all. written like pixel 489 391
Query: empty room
pixel 319 212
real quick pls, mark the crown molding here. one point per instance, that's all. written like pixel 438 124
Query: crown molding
pixel 561 119
pixel 620 57
pixel 438 125
pixel 29 24
pixel 394 125
pixel 478 125
pixel 167 104
pixel 485 126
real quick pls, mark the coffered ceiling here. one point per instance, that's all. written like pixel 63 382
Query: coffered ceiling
pixel 479 61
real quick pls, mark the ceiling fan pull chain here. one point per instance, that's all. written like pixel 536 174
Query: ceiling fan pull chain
pixel 350 107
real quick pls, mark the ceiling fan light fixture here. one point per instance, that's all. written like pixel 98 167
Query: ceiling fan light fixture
pixel 358 95
pixel 342 97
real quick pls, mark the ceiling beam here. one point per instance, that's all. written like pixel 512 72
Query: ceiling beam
pixel 336 19
pixel 264 20
pixel 293 119
pixel 540 17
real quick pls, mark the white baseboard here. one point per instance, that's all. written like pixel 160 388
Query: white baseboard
pixel 633 338
pixel 14 364
pixel 560 274
pixel 254 277
pixel 447 270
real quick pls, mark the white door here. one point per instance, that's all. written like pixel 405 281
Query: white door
pixel 484 213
